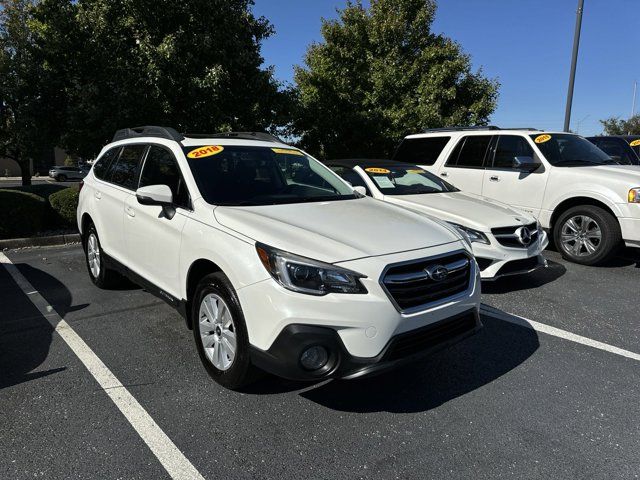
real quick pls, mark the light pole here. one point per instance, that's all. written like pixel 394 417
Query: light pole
pixel 574 61
pixel 633 103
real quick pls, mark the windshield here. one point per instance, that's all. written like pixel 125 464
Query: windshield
pixel 566 150
pixel 406 180
pixel 243 175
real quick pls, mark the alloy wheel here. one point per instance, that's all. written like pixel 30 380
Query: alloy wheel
pixel 581 236
pixel 93 255
pixel 217 331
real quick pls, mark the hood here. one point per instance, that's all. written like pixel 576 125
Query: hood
pixel 336 231
pixel 468 210
pixel 628 174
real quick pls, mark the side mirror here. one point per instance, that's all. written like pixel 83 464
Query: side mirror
pixel 155 195
pixel 526 164
pixel 361 190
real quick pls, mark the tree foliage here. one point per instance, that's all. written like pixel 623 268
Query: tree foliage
pixel 618 126
pixel 381 73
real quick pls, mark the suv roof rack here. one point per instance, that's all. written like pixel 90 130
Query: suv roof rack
pixel 148 131
pixel 461 129
pixel 258 136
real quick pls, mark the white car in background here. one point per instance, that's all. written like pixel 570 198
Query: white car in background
pixel 505 241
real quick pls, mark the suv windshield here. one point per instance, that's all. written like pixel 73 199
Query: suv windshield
pixel 566 150
pixel 406 180
pixel 244 175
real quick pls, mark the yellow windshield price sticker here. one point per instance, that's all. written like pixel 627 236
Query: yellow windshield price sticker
pixel 635 143
pixel 415 171
pixel 542 138
pixel 205 151
pixel 377 170
pixel 287 151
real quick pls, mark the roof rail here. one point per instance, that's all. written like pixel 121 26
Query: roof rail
pixel 258 136
pixel 148 131
pixel 461 129
pixel 523 128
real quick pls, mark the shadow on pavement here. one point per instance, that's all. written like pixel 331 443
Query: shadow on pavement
pixel 536 279
pixel 25 334
pixel 497 349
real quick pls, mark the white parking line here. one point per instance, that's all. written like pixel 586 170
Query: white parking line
pixel 170 456
pixel 556 332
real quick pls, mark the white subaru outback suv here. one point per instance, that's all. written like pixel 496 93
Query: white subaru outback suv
pixel 590 203
pixel 273 260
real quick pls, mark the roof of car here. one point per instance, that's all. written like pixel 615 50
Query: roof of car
pixel 624 137
pixel 481 131
pixel 367 162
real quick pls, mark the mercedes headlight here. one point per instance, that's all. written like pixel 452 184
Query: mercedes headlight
pixel 475 236
pixel 305 275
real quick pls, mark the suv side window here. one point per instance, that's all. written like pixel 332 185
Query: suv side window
pixel 510 146
pixel 161 168
pixel 101 167
pixel 470 152
pixel 124 172
pixel 421 151
pixel 350 176
pixel 616 148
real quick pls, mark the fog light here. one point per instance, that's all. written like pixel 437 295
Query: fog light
pixel 314 358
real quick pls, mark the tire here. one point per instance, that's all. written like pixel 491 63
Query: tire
pixel 218 322
pixel 587 235
pixel 100 275
pixel 61 178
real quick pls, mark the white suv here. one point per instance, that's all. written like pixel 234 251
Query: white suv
pixel 589 202
pixel 273 260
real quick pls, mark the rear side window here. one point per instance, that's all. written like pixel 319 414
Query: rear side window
pixel 124 172
pixel 470 152
pixel 101 167
pixel 161 168
pixel 421 151
pixel 509 147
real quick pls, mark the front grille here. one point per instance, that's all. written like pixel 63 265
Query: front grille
pixel 410 285
pixel 416 341
pixel 516 266
pixel 508 237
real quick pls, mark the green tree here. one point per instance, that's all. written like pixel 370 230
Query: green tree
pixel 379 74
pixel 194 65
pixel 618 126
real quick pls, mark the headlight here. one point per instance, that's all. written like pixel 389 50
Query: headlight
pixel 634 195
pixel 305 275
pixel 474 235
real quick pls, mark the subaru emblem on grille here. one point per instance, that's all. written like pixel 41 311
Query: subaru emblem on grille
pixel 524 236
pixel 437 273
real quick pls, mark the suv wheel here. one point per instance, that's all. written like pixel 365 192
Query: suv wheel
pixel 100 275
pixel 587 234
pixel 221 333
pixel 62 178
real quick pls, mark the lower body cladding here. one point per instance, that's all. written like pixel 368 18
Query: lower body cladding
pixel 496 261
pixel 304 337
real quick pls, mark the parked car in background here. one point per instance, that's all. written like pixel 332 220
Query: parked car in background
pixel 587 200
pixel 505 241
pixel 624 149
pixel 274 261
pixel 62 174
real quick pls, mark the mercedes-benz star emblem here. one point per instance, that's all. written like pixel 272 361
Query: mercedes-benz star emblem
pixel 437 273
pixel 524 236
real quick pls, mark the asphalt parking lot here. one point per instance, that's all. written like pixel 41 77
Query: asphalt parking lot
pixel 510 402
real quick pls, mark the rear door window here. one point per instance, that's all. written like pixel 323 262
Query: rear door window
pixel 470 152
pixel 101 168
pixel 125 171
pixel 420 151
pixel 509 147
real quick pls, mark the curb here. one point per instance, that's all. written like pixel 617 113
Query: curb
pixel 39 241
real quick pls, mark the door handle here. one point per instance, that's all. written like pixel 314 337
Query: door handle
pixel 494 178
pixel 97 195
pixel 444 174
pixel 130 211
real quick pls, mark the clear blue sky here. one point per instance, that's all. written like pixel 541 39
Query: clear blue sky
pixel 526 44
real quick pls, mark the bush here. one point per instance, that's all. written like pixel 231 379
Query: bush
pixel 23 214
pixel 65 204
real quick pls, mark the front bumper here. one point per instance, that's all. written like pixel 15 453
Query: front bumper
pixel 357 328
pixel 496 260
